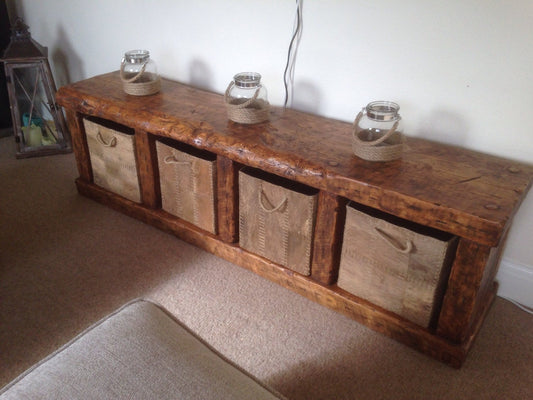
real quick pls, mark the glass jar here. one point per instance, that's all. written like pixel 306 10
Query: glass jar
pixel 137 66
pixel 377 132
pixel 246 99
pixel 377 119
pixel 139 73
pixel 247 86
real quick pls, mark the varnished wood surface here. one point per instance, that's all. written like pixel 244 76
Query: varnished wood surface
pixel 470 287
pixel 463 287
pixel 148 172
pixel 331 211
pixel 466 193
pixel 449 188
pixel 227 200
pixel 79 145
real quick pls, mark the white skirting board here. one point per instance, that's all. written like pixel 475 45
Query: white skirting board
pixel 516 282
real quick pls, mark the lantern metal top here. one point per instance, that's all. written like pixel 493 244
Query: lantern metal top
pixel 22 46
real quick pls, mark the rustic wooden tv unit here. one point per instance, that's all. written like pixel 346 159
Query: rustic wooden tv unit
pixel 471 195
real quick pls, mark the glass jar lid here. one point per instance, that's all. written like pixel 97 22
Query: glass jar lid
pixel 137 56
pixel 382 111
pixel 247 79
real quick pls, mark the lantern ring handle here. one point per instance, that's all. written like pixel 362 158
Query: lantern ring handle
pixel 133 79
pixel 379 140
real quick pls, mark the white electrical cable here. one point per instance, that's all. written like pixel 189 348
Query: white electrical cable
pixel 288 76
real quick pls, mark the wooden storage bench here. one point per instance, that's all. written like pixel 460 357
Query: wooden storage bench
pixel 469 197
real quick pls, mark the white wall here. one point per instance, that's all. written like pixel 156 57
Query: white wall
pixel 460 69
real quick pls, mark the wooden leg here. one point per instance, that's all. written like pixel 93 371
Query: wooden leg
pixel 79 145
pixel 146 155
pixel 331 212
pixel 227 200
pixel 468 289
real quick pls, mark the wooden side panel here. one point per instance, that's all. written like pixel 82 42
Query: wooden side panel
pixel 79 144
pixel 227 199
pixel 459 305
pixel 331 213
pixel 488 288
pixel 146 155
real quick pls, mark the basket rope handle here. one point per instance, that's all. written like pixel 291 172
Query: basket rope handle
pixel 174 160
pixel 271 209
pixel 356 131
pixel 393 243
pixel 130 80
pixel 100 139
pixel 242 105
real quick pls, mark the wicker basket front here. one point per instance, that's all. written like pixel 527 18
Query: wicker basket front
pixel 396 265
pixel 188 179
pixel 112 154
pixel 276 219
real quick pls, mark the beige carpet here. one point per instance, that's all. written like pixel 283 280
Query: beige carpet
pixel 66 261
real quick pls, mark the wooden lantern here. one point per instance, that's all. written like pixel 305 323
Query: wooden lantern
pixel 38 122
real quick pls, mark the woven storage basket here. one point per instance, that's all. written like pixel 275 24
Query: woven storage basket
pixel 396 265
pixel 187 178
pixel 112 154
pixel 276 219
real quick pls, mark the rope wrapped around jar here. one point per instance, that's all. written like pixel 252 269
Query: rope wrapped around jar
pixel 247 110
pixel 387 147
pixel 141 81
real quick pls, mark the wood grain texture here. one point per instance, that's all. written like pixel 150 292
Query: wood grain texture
pixel 471 289
pixel 79 144
pixel 331 212
pixel 227 199
pixel 463 289
pixel 463 192
pixel 147 165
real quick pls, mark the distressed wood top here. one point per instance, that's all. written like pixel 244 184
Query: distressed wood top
pixel 464 192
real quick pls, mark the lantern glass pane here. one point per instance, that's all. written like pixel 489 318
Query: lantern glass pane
pixel 36 111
